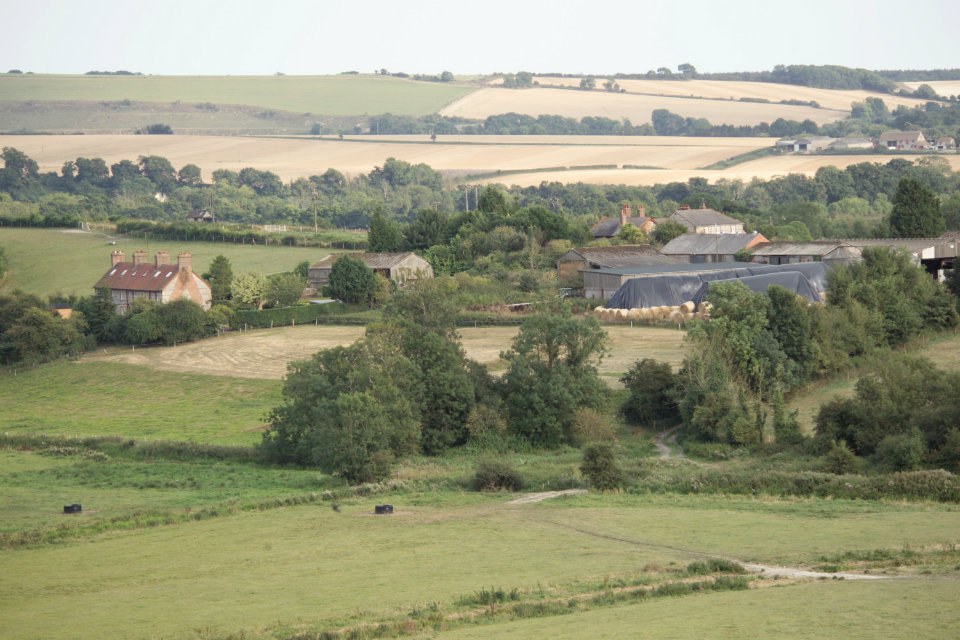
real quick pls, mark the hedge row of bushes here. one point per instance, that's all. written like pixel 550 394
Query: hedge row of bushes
pixel 120 447
pixel 938 485
pixel 284 316
pixel 226 233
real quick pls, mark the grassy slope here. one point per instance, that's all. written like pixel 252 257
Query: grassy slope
pixel 309 94
pixel 99 398
pixel 311 563
pixel 813 611
pixel 45 261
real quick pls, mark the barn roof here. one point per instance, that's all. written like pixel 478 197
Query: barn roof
pixel 620 256
pixel 702 217
pixel 141 277
pixel 815 248
pixel 702 244
pixel 372 260
pixel 910 136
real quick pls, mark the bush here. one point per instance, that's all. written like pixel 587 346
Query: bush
pixel 841 460
pixel 495 475
pixel 487 429
pixel 589 425
pixel 653 387
pixel 600 467
pixel 901 452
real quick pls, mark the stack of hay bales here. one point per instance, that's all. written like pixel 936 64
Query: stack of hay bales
pixel 676 314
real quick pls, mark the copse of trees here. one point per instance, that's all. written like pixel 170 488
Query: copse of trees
pixel 31 332
pixel 757 347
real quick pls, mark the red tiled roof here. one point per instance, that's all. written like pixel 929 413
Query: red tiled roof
pixel 142 277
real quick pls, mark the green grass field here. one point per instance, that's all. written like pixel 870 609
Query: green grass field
pixel 106 398
pixel 848 610
pixel 47 261
pixel 350 94
pixel 312 567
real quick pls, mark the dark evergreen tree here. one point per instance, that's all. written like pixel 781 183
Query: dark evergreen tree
pixel 916 211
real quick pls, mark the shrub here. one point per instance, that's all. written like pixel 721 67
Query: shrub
pixel 653 386
pixel 840 459
pixel 589 425
pixel 487 429
pixel 902 451
pixel 495 475
pixel 600 466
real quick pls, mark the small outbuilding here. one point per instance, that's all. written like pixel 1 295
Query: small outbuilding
pixel 399 267
pixel 704 220
pixel 828 251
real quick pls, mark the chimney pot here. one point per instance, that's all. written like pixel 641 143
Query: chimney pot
pixel 117 257
pixel 684 207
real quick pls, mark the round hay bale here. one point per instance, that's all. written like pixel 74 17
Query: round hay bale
pixel 635 314
pixel 688 307
pixel 644 314
pixel 622 314
pixel 673 308
pixel 675 316
pixel 598 308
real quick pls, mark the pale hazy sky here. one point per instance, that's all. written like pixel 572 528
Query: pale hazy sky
pixel 198 37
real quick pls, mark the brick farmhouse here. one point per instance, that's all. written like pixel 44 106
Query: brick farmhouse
pixel 157 280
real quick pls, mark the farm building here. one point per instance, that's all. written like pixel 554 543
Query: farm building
pixel 677 287
pixel 610 227
pixel 851 143
pixel 399 267
pixel 627 255
pixel 827 251
pixel 158 280
pixel 602 283
pixel 710 247
pixel 200 216
pixel 945 144
pixel 704 220
pixel 933 254
pixel 805 144
pixel 912 140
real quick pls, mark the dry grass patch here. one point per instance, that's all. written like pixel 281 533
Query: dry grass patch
pixel 636 107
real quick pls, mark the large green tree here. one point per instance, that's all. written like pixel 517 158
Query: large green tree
pixel 551 373
pixel 916 211
pixel 219 277
pixel 383 235
pixel 351 280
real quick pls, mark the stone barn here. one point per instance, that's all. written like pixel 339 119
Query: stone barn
pixel 399 267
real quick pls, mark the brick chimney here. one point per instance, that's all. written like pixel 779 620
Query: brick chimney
pixel 161 259
pixel 117 257
pixel 684 207
pixel 139 257
pixel 624 214
pixel 184 262
pixel 641 212
pixel 703 204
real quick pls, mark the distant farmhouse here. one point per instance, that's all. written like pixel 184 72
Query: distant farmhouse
pixel 200 216
pixel 704 220
pixel 904 140
pixel 158 280
pixel 399 267
pixel 851 142
pixel 945 143
pixel 699 248
pixel 610 227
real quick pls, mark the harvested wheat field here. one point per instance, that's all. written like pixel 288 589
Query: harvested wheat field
pixel 763 168
pixel 293 158
pixel 942 87
pixel 265 353
pixel 734 90
pixel 636 107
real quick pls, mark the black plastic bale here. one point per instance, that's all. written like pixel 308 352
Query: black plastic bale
pixel 72 508
pixel 383 509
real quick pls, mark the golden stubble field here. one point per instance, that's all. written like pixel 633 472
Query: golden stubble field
pixel 734 90
pixel 265 353
pixel 637 107
pixel 293 158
